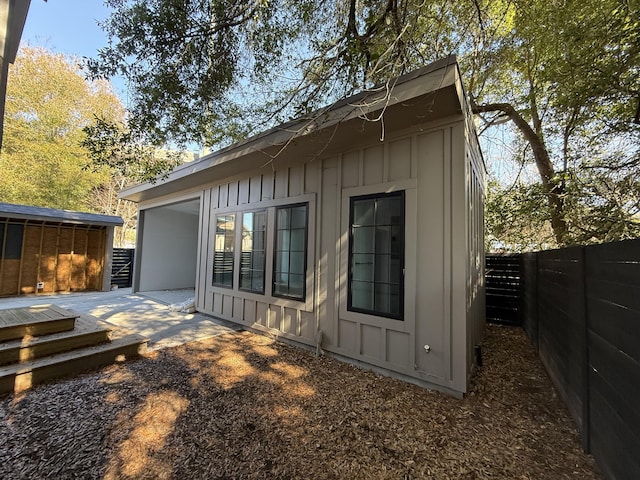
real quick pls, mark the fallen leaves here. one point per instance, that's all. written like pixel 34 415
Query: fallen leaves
pixel 244 406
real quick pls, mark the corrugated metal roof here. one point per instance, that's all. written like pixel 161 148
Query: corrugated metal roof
pixel 26 212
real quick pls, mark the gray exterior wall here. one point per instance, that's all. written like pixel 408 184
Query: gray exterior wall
pixel 168 247
pixel 430 152
pixel 438 167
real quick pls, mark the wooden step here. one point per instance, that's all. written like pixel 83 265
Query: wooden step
pixel 22 376
pixel 17 323
pixel 86 332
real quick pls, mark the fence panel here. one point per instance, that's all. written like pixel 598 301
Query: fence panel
pixel 529 296
pixel 561 325
pixel 122 267
pixel 581 306
pixel 502 284
pixel 613 309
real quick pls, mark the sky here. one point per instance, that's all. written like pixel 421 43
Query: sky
pixel 69 27
pixel 66 26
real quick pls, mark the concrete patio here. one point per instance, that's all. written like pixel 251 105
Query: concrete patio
pixel 147 313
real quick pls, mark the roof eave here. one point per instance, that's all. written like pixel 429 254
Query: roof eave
pixel 429 79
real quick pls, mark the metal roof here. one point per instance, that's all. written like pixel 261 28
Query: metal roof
pixel 401 94
pixel 26 212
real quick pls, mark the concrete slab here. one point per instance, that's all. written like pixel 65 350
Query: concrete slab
pixel 137 312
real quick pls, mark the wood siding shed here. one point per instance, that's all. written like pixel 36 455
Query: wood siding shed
pixel 46 250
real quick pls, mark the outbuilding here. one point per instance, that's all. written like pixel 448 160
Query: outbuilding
pixel 45 250
pixel 357 229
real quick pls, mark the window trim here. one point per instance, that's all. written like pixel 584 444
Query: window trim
pixel 270 205
pixel 306 251
pixel 410 275
pixel 352 199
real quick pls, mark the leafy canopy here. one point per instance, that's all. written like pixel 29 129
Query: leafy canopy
pixel 564 73
pixel 48 104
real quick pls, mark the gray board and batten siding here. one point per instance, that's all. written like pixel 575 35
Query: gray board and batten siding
pixel 409 301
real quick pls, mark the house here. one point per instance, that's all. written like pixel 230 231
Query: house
pixel 45 250
pixel 359 227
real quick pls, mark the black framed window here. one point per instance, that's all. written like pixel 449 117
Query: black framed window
pixel 376 255
pixel 252 259
pixel 290 256
pixel 223 250
pixel 11 235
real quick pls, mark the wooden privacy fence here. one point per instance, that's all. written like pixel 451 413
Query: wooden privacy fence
pixel 122 267
pixel 502 284
pixel 581 309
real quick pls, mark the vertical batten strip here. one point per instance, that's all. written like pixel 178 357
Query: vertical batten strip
pixel 86 254
pixel 73 251
pixel 40 254
pixel 24 238
pixel 55 258
pixel 101 260
pixel 2 250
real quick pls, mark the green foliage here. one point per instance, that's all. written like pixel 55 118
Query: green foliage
pixel 514 221
pixel 112 146
pixel 48 104
pixel 566 73
pixel 182 58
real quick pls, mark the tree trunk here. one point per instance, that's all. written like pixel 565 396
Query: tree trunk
pixel 553 190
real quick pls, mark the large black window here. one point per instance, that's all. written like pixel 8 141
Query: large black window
pixel 290 259
pixel 252 259
pixel 11 240
pixel 223 250
pixel 376 255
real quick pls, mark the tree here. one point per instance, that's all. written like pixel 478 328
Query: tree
pixel 47 105
pixel 565 73
pixel 566 76
pixel 104 199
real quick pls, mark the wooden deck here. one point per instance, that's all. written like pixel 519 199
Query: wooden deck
pixel 45 341
pixel 16 323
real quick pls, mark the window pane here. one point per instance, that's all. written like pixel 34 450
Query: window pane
pixel 363 212
pixel 382 268
pixel 296 285
pixel 388 211
pixel 252 258
pixel 290 251
pixel 296 262
pixel 383 239
pixel 376 255
pixel 284 215
pixel 223 250
pixel 362 267
pixel 362 295
pixel 282 240
pixel 299 217
pixel 297 240
pixel 257 260
pixel 363 239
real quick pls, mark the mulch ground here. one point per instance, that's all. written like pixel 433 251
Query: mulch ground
pixel 245 406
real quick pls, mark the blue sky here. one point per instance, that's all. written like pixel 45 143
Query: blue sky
pixel 69 27
pixel 66 26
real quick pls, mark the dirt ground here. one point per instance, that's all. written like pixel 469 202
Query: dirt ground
pixel 245 406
